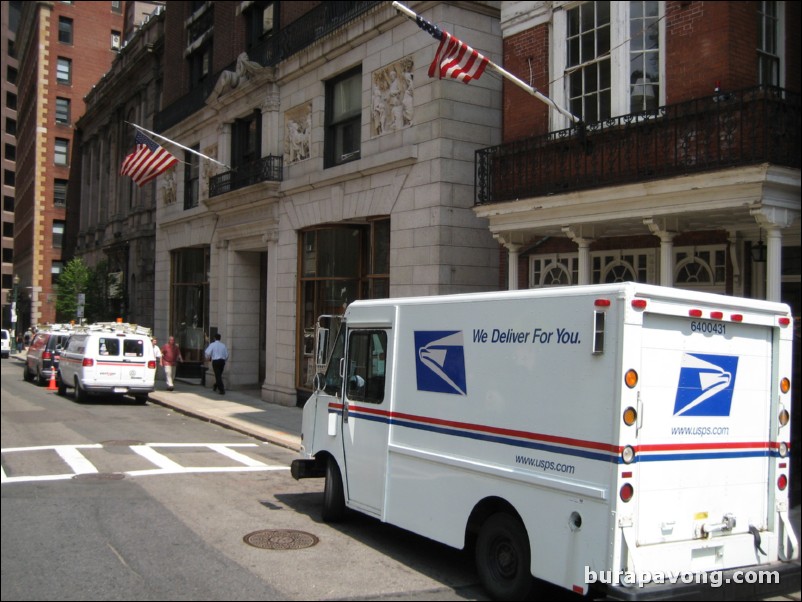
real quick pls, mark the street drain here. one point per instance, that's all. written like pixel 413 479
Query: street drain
pixel 98 476
pixel 280 539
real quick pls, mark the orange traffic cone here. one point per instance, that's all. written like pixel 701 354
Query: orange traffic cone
pixel 51 386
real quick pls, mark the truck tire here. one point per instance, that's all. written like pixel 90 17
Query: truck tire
pixel 333 494
pixel 503 558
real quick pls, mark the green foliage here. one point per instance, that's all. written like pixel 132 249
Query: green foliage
pixel 77 278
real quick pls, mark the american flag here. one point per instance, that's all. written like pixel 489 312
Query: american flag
pixel 453 58
pixel 147 161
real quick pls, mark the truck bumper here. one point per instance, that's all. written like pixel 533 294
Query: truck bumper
pixel 751 583
pixel 307 469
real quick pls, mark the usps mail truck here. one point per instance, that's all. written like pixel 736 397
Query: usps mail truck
pixel 628 438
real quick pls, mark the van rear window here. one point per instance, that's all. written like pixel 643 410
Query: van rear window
pixel 133 348
pixel 109 346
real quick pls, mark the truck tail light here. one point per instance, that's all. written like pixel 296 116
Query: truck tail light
pixel 88 362
pixel 782 482
pixel 630 416
pixel 639 304
pixel 152 365
pixel 626 492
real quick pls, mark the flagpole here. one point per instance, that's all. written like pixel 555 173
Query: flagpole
pixel 517 81
pixel 186 148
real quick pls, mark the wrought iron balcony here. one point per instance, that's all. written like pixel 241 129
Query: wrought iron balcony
pixel 266 169
pixel 758 125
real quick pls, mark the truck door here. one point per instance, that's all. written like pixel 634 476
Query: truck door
pixel 704 453
pixel 365 418
pixel 109 368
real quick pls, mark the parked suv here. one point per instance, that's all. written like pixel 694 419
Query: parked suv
pixel 5 343
pixel 43 355
pixel 113 359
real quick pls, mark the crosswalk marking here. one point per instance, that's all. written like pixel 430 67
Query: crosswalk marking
pixel 80 465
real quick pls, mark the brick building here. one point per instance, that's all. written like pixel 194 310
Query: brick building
pixel 64 48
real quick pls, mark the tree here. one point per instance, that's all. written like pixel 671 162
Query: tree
pixel 74 279
pixel 77 278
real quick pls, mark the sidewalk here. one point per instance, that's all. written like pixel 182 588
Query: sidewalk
pixel 240 410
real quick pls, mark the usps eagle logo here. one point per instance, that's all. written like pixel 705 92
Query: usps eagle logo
pixel 440 361
pixel 706 384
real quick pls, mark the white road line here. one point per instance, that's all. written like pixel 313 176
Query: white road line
pixel 78 462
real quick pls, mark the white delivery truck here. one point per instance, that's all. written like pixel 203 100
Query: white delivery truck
pixel 629 438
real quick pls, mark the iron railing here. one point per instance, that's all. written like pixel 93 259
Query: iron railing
pixel 266 169
pixel 758 125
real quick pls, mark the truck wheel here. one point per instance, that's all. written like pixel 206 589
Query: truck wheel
pixel 503 558
pixel 333 494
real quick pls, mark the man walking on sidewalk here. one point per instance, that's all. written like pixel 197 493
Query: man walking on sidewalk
pixel 218 354
pixel 171 357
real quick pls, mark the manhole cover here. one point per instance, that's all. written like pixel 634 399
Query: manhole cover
pixel 280 539
pixel 99 476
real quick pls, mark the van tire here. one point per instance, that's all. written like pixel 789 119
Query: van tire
pixel 80 394
pixel 503 558
pixel 333 494
pixel 62 388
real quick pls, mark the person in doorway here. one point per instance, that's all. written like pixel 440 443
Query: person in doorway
pixel 217 353
pixel 171 357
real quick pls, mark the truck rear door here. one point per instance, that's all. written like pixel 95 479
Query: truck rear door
pixel 703 442
pixel 109 367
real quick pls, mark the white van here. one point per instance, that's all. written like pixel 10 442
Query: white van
pixel 108 359
pixel 627 438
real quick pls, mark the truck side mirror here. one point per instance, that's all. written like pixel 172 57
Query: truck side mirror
pixel 321 347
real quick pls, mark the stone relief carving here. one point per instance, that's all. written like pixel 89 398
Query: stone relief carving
pixel 169 186
pixel 392 99
pixel 298 133
pixel 229 80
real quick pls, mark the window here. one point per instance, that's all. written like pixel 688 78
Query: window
pixel 63 70
pixel 55 271
pixel 246 143
pixel 189 300
pixel 609 58
pixel 8 255
pixel 108 346
pixel 259 22
pixel 366 365
pixel 553 270
pixel 701 268
pixel 10 152
pixel 11 74
pixel 768 55
pixel 61 151
pixel 9 177
pixel 343 118
pixel 58 234
pixel 635 265
pixel 8 203
pixel 116 6
pixel 11 101
pixel 60 193
pixel 11 126
pixel 65 30
pixel 200 63
pixel 339 264
pixel 63 110
pixel 191 178
pixel 8 229
pixel 116 40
